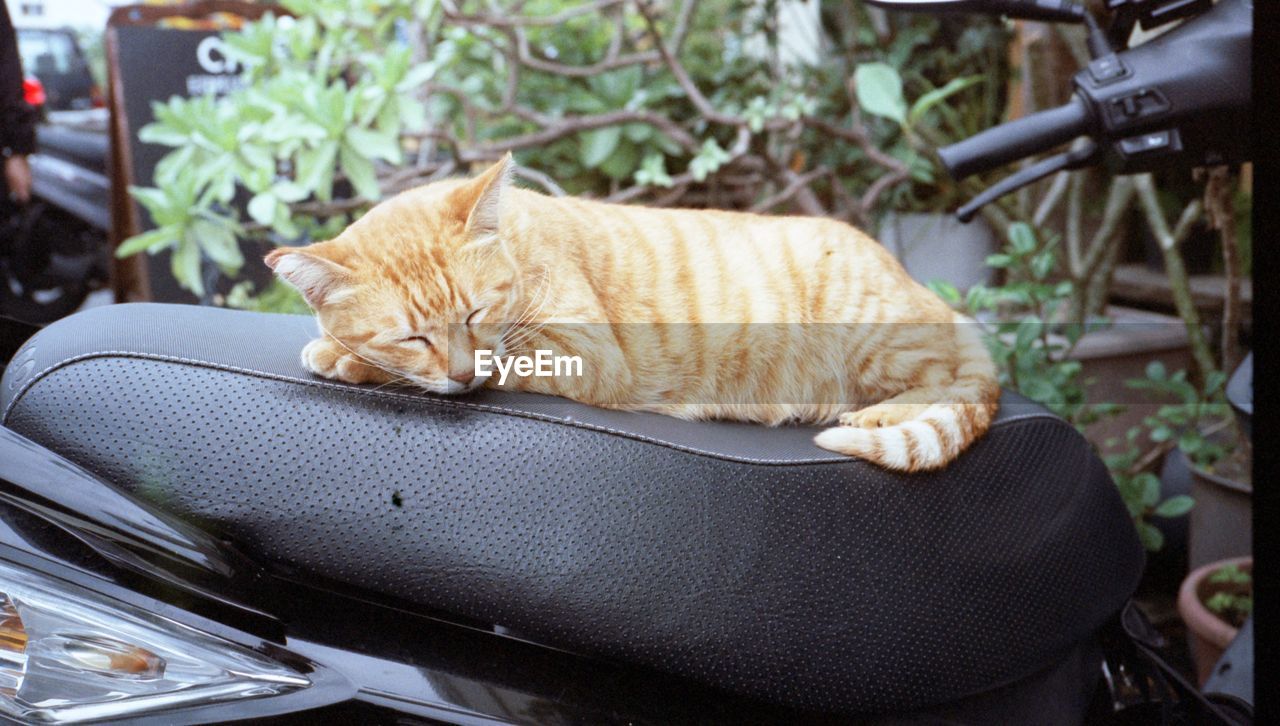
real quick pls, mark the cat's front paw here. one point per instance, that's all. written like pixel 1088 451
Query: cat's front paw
pixel 882 415
pixel 325 357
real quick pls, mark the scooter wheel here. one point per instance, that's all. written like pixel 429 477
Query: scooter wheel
pixel 27 292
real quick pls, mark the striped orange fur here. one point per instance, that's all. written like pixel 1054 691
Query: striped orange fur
pixel 692 313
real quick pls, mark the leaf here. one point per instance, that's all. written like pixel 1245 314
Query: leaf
pixel 157 205
pixel 709 159
pixel 155 133
pixel 946 291
pixel 637 132
pixel 413 113
pixel 1022 238
pixel 938 95
pixel 1156 371
pixel 218 242
pixel 289 192
pixel 315 168
pixel 185 265
pixel 979 297
pixel 256 156
pixel 1042 265
pixel 596 146
pixel 921 168
pixel 262 207
pixel 389 120
pixel 1132 498
pixel 1175 506
pixel 653 172
pixel 373 145
pixel 1029 330
pixel 622 163
pixel 1150 488
pixel 417 76
pixel 221 180
pixel 1233 574
pixel 359 171
pixel 1190 441
pixel 173 164
pixel 999 260
pixel 1152 539
pixel 879 89
pixel 146 241
pixel 1213 382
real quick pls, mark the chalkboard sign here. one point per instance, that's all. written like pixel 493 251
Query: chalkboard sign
pixel 151 62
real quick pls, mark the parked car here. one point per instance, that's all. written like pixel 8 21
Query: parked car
pixel 54 56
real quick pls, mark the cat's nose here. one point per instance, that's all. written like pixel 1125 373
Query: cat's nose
pixel 464 378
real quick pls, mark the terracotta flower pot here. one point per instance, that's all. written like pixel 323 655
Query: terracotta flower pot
pixel 1209 635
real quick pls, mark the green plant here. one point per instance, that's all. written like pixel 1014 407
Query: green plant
pixel 879 90
pixel 355 100
pixel 1234 602
pixel 1031 339
pixel 276 297
pixel 1190 423
pixel 1140 490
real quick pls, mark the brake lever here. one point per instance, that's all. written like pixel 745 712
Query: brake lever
pixel 1087 154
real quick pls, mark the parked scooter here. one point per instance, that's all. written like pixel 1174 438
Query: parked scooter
pixel 194 529
pixel 53 250
pixel 49 261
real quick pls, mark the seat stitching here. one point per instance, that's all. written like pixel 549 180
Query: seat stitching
pixel 456 404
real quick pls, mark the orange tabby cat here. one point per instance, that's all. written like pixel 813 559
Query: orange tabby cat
pixel 691 313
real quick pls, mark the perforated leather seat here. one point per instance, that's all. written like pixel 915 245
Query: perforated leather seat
pixel 741 556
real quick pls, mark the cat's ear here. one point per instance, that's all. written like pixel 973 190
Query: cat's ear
pixel 482 198
pixel 318 278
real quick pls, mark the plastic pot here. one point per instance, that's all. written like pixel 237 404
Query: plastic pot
pixel 935 246
pixel 1222 519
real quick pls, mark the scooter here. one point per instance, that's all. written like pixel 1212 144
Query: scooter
pixel 53 249
pixel 194 529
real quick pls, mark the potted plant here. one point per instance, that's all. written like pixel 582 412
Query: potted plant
pixel 1034 350
pixel 1215 601
pixel 920 228
pixel 1208 446
pixel 1221 523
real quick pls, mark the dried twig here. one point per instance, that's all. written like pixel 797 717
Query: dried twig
pixel 1179 284
pixel 766 166
pixel 794 186
pixel 1219 203
pixel 540 179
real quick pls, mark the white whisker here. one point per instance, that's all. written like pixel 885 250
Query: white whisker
pixel 380 366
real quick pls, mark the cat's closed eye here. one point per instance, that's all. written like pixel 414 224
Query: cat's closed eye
pixel 418 339
pixel 477 315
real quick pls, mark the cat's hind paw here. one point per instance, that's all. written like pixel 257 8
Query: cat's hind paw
pixel 328 359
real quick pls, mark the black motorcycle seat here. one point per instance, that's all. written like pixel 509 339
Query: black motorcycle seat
pixel 738 555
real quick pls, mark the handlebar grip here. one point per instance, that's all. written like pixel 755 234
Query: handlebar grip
pixel 1018 139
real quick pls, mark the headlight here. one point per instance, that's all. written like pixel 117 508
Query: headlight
pixel 68 654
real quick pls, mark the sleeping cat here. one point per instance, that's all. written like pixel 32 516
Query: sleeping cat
pixel 691 313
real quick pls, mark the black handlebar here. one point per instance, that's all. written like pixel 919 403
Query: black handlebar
pixel 1181 99
pixel 1018 139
